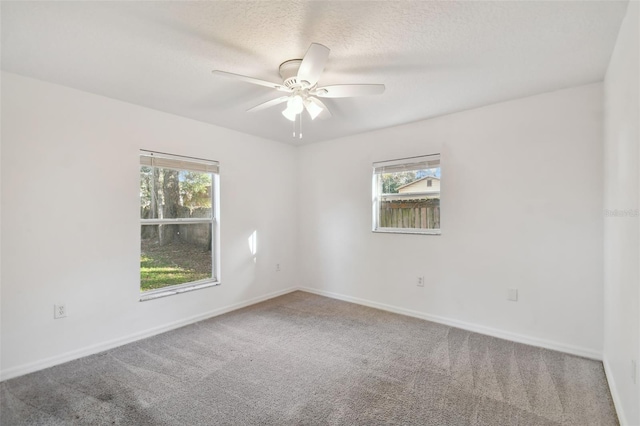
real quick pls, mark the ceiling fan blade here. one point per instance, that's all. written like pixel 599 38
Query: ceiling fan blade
pixel 251 80
pixel 348 90
pixel 268 104
pixel 313 63
pixel 324 114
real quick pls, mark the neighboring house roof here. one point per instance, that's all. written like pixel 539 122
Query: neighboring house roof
pixel 416 181
pixel 411 196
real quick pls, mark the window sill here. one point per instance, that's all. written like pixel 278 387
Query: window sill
pixel 408 231
pixel 170 291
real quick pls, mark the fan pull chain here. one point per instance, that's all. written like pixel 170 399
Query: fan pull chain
pixel 294 126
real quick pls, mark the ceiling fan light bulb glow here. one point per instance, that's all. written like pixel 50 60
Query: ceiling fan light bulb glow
pixel 313 109
pixel 295 104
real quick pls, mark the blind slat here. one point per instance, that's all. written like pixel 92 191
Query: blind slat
pixel 152 159
pixel 407 164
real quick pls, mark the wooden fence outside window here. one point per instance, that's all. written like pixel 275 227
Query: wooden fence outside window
pixel 418 213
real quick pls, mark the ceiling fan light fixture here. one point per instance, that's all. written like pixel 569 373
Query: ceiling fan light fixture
pixel 313 109
pixel 295 105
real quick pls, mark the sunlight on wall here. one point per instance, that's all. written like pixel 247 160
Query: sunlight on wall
pixel 253 244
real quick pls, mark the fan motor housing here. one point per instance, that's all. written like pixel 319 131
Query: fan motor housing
pixel 289 73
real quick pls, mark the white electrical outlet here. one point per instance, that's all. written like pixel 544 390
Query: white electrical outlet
pixel 420 281
pixel 278 267
pixel 512 294
pixel 59 311
pixel 634 371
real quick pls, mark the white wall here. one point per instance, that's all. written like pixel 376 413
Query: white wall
pixel 621 233
pixel 70 220
pixel 539 228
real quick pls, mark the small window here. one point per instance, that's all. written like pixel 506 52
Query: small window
pixel 179 224
pixel 406 195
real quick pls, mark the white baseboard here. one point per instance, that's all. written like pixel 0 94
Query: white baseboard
pixel 100 347
pixel 507 335
pixel 90 350
pixel 614 392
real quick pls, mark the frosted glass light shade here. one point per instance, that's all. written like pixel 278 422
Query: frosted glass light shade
pixel 295 104
pixel 290 115
pixel 313 109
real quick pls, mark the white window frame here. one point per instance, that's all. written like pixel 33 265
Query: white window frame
pixel 178 162
pixel 397 165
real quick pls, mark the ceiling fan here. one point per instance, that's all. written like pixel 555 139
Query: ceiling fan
pixel 300 83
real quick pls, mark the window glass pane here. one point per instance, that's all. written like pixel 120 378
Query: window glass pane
pixel 175 254
pixel 409 199
pixel 146 187
pixel 172 194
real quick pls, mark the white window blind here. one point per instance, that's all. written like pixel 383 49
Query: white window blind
pixel 407 164
pixel 167 161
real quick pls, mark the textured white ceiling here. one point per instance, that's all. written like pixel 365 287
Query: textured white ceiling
pixel 433 57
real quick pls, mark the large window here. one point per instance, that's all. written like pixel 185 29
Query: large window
pixel 179 224
pixel 406 195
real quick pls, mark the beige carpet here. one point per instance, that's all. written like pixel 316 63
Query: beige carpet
pixel 303 359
